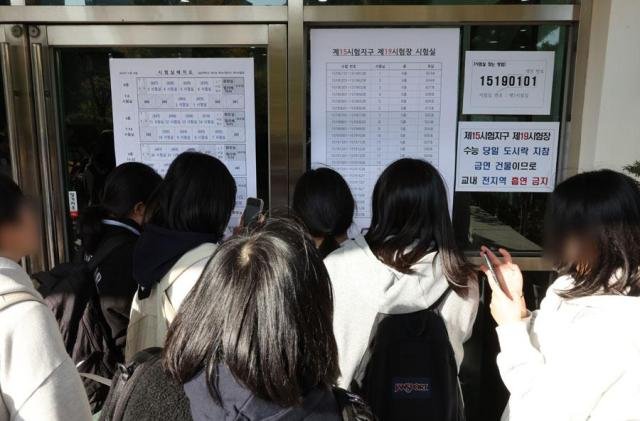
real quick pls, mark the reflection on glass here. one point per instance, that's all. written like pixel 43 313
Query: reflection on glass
pixel 438 2
pixel 84 93
pixel 5 154
pixel 510 220
pixel 154 2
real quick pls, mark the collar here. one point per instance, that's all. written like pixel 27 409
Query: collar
pixel 128 227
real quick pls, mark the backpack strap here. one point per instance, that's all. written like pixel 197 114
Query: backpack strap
pixel 352 407
pixel 12 298
pixel 439 303
pixel 102 380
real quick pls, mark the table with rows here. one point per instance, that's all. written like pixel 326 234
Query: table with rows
pixel 203 114
pixel 378 113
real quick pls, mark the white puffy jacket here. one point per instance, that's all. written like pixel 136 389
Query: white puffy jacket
pixel 573 360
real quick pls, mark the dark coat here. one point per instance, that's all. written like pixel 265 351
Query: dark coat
pixel 115 284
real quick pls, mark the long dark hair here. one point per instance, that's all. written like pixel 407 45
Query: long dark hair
pixel 198 194
pixel 126 185
pixel 323 201
pixel 600 212
pixel 264 308
pixel 410 218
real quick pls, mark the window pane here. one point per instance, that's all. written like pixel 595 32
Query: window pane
pixel 510 220
pixel 86 114
pixel 154 2
pixel 438 2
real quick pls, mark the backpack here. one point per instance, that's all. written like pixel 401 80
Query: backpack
pixel 409 370
pixel 139 373
pixel 70 292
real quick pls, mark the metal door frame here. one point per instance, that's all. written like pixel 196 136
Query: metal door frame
pixel 18 94
pixel 44 40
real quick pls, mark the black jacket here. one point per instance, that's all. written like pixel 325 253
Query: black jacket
pixel 114 281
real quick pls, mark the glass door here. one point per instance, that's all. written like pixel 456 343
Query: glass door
pixel 74 94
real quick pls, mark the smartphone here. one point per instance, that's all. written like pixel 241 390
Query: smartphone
pixel 252 210
pixel 493 272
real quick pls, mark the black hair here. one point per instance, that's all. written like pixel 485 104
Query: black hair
pixel 410 218
pixel 323 201
pixel 126 185
pixel 198 194
pixel 264 308
pixel 600 211
pixel 11 200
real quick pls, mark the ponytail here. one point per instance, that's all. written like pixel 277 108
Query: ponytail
pixel 323 202
pixel 90 227
pixel 329 245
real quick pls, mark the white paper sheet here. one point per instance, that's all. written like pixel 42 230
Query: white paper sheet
pixel 378 95
pixel 164 106
pixel 507 156
pixel 508 82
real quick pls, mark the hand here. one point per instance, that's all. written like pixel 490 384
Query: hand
pixel 509 274
pixel 507 301
pixel 240 228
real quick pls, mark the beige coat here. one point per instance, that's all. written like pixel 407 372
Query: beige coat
pixel 151 317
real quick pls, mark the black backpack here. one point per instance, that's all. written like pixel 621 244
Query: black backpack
pixel 70 291
pixel 144 371
pixel 409 370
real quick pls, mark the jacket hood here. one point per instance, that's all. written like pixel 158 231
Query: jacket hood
pixel 157 250
pixel 13 278
pixel 401 292
pixel 238 403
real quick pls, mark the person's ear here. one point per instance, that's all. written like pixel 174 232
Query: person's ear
pixel 138 212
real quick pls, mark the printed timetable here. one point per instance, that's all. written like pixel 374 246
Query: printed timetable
pixel 378 95
pixel 163 107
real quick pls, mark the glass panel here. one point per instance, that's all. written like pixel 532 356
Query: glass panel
pixel 5 153
pixel 510 220
pixel 154 2
pixel 86 120
pixel 439 2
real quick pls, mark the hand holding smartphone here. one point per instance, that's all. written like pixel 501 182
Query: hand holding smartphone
pixel 503 274
pixel 492 277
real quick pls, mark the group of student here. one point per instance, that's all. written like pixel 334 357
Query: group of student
pixel 274 322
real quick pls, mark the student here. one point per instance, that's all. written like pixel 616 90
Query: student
pixel 118 217
pixel 252 341
pixel 187 217
pixel 406 262
pixel 323 201
pixel 578 357
pixel 38 380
